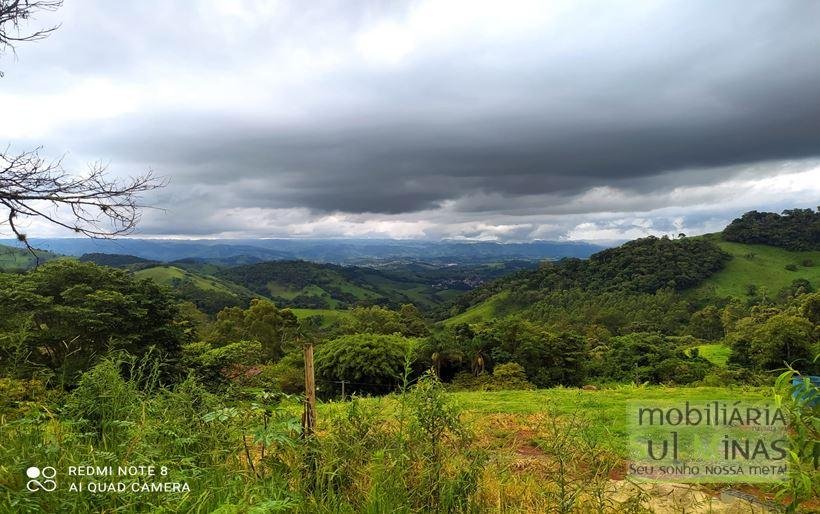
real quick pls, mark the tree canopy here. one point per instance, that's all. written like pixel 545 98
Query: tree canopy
pixel 65 314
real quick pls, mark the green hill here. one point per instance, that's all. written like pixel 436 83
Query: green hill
pixel 696 268
pixel 19 259
pixel 755 266
pixel 210 294
pixel 310 285
pixel 116 260
pixel 642 266
pixel 171 276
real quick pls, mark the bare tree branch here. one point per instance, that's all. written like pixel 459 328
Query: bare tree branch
pixel 13 13
pixel 32 187
pixel 91 205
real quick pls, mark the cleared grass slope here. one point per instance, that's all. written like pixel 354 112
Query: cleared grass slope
pixel 18 259
pixel 171 275
pixel 328 316
pixel 483 311
pixel 760 266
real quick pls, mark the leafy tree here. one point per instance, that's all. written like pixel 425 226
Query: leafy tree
pixel 810 308
pixel 707 324
pixel 216 365
pixel 370 363
pixel 412 321
pixel 549 359
pixel 408 321
pixel 274 328
pixel 76 312
pixel 647 357
pixel 770 341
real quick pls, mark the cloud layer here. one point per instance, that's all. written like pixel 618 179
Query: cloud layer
pixel 488 120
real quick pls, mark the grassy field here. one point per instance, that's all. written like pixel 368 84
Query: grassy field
pixel 717 353
pixel 167 275
pixel 479 312
pixel 329 316
pixel 761 266
pixel 13 259
pixel 511 451
pixel 505 414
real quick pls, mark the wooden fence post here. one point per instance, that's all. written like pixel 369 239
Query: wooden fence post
pixel 309 416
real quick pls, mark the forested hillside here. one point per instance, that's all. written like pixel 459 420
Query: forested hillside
pixel 640 266
pixel 117 260
pixel 795 229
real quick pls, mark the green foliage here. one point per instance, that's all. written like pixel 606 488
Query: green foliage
pixel 810 308
pixel 647 357
pixel 287 375
pixel 65 314
pixel 795 229
pixel 435 421
pixel 642 266
pixel 800 403
pixel 509 376
pixel 103 401
pixel 15 392
pixel 370 363
pixel 549 359
pixel 263 322
pixel 216 365
pixel 408 321
pixel 769 340
pixel 707 323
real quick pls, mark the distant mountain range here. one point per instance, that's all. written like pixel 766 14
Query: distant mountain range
pixel 348 251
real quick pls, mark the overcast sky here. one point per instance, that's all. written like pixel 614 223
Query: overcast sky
pixel 433 119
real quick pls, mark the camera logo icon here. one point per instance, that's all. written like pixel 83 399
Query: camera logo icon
pixel 41 479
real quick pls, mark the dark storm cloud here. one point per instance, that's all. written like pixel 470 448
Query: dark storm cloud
pixel 495 115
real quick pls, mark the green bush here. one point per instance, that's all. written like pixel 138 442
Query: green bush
pixel 646 357
pixel 217 365
pixel 287 375
pixel 510 376
pixel 104 401
pixel 505 377
pixel 369 363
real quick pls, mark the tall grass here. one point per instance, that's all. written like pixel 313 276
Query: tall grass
pixel 237 453
pixel 243 452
